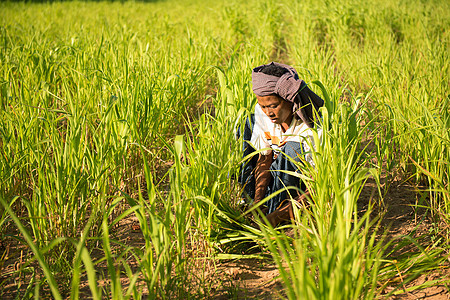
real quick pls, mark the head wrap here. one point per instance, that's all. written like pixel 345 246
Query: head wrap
pixel 290 88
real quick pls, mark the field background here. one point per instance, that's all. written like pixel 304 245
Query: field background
pixel 119 156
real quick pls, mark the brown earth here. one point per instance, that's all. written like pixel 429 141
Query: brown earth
pixel 252 279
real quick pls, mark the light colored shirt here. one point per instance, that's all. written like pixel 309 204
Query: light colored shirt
pixel 267 134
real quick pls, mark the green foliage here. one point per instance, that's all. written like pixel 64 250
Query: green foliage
pixel 98 99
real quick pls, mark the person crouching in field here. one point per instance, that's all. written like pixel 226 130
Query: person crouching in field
pixel 279 127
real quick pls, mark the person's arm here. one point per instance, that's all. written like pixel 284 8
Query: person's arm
pixel 262 176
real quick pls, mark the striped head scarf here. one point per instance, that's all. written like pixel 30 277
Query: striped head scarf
pixel 290 88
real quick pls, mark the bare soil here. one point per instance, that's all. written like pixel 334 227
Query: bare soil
pixel 254 280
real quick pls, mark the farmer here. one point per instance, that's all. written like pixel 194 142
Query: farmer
pixel 279 127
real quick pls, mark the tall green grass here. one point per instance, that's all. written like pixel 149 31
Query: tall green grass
pixel 94 110
pixel 74 109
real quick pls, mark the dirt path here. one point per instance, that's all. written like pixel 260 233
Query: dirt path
pixel 252 279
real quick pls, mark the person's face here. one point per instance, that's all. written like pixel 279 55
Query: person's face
pixel 276 108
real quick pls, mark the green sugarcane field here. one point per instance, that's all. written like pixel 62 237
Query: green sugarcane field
pixel 121 150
